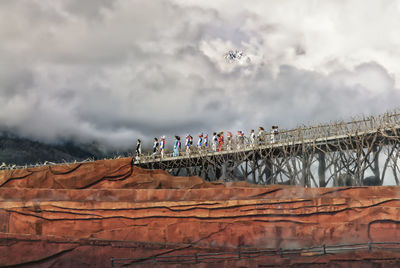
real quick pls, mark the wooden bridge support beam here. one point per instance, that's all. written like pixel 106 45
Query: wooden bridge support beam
pixel 321 169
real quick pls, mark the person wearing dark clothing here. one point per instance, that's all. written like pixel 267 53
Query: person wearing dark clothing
pixel 138 147
pixel 155 147
pixel 274 133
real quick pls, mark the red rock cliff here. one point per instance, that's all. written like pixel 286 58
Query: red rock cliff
pixel 86 214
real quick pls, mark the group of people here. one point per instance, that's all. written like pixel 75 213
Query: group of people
pixel 218 142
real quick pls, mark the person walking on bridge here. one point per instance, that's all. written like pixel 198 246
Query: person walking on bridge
pixel 240 139
pixel 162 146
pixel 138 148
pixel 188 143
pixel 205 142
pixel 218 142
pixel 274 133
pixel 214 142
pixel 200 141
pixel 252 138
pixel 177 146
pixel 261 136
pixel 221 141
pixel 155 147
pixel 229 138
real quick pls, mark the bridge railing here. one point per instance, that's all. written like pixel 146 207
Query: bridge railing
pixel 299 134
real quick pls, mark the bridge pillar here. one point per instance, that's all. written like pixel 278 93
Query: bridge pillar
pixel 305 171
pixel 204 171
pixel 268 171
pixel 375 166
pixel 218 172
pixel 321 169
pixel 253 171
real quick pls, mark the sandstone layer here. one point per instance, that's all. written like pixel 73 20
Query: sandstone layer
pixel 85 214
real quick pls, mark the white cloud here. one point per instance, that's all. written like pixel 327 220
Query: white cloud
pixel 118 70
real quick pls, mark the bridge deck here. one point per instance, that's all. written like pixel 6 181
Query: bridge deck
pixel 286 139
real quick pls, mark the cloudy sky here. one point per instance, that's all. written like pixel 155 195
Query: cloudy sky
pixel 115 71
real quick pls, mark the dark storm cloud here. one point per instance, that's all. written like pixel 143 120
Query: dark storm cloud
pixel 114 71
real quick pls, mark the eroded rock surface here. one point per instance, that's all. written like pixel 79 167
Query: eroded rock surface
pixel 86 214
pixel 102 174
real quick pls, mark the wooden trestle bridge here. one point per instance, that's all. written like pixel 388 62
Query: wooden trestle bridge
pixel 340 153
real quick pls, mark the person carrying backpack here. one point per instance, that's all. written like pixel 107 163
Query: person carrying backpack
pixel 261 135
pixel 155 147
pixel 205 142
pixel 200 141
pixel 190 140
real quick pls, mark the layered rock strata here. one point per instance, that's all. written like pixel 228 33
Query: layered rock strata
pixel 86 214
